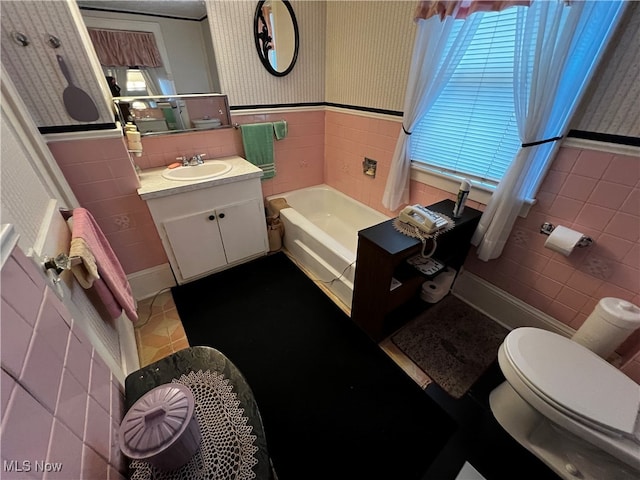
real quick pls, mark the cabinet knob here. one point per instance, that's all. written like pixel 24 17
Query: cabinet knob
pixel 221 215
pixel 212 217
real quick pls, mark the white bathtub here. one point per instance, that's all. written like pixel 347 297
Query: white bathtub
pixel 321 233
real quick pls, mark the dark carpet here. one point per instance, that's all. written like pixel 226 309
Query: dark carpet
pixel 334 406
pixel 453 343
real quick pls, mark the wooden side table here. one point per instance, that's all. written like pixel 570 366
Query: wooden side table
pixel 381 257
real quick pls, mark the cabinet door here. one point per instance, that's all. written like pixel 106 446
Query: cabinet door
pixel 196 243
pixel 243 227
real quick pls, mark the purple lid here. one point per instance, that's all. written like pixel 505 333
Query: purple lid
pixel 156 420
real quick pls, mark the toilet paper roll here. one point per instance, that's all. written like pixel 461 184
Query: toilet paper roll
pixel 563 240
pixel 435 290
pixel 432 292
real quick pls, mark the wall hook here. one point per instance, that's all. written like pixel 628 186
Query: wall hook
pixel 20 38
pixel 52 41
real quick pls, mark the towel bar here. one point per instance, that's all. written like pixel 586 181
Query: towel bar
pixel 237 125
pixel 60 262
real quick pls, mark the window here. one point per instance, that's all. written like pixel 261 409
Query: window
pixel 471 129
pixel 135 82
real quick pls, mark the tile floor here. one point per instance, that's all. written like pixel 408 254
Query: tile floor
pixel 159 331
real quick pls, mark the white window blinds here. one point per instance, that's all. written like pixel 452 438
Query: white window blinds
pixel 471 129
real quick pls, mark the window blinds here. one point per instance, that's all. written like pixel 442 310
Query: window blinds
pixel 471 129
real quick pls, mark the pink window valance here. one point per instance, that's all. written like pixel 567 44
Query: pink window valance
pixel 463 8
pixel 120 48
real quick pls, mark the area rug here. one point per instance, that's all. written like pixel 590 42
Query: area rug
pixel 333 404
pixel 452 343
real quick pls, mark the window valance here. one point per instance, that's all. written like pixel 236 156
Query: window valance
pixel 462 8
pixel 121 48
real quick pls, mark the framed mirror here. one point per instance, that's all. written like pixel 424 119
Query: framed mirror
pixel 276 35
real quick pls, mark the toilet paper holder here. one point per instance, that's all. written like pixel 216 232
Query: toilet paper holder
pixel 546 228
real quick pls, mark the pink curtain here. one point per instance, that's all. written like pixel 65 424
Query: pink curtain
pixel 119 48
pixel 462 8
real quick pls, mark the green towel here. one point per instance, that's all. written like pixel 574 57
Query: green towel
pixel 280 129
pixel 257 139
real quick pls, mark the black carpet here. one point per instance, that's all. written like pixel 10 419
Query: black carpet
pixel 334 406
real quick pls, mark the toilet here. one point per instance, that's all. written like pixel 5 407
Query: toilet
pixel 568 406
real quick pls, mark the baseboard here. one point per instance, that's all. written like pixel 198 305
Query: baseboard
pixel 128 346
pixel 146 283
pixel 503 307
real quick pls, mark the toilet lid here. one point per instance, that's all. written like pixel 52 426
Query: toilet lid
pixel 574 378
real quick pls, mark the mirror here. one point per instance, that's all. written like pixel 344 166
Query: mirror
pixel 181 32
pixel 157 115
pixel 183 100
pixel 276 36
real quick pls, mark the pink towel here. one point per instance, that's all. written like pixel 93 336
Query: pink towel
pixel 112 287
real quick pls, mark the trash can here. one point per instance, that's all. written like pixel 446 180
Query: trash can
pixel 610 323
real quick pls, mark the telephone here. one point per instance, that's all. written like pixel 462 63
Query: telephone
pixel 426 220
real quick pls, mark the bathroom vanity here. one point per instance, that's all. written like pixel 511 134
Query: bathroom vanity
pixel 207 225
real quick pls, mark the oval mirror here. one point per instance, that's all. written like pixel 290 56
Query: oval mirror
pixel 276 34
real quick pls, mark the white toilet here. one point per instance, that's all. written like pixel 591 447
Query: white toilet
pixel 568 406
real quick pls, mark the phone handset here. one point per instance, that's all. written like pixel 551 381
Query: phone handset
pixel 423 218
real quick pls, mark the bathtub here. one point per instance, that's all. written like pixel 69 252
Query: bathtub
pixel 321 233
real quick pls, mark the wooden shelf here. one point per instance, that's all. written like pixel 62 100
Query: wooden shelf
pixel 381 256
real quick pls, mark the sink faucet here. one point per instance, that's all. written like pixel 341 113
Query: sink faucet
pixel 197 159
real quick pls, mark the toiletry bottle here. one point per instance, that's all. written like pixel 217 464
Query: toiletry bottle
pixel 461 199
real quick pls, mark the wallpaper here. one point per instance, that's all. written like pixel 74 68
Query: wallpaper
pixel 369 46
pixel 242 76
pixel 612 102
pixel 34 68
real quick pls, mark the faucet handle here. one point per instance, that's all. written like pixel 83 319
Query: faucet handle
pixel 184 160
pixel 199 158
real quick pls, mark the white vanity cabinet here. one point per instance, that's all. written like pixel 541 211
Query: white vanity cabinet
pixel 211 229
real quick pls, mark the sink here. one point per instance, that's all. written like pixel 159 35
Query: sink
pixel 204 123
pixel 210 169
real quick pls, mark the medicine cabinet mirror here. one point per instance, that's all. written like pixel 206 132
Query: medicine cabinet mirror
pixel 158 115
pixel 276 36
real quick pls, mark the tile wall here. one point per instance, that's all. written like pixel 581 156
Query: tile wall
pixel 103 180
pixel 299 157
pixel 595 192
pixel 60 403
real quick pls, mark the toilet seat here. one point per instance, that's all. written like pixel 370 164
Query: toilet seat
pixel 574 380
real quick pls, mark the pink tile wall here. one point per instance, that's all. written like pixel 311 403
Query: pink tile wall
pixel 162 150
pixel 594 192
pixel 60 403
pixel 350 138
pixel 102 178
pixel 299 157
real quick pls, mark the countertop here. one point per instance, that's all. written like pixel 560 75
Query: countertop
pixel 154 185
